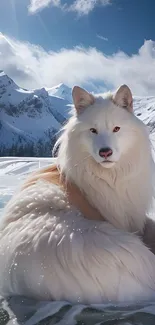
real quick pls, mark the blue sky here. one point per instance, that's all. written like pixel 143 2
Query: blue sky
pixel 109 33
pixel 125 23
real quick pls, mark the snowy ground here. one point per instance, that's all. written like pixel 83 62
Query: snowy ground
pixel 13 170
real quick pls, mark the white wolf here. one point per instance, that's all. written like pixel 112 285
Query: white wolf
pixel 48 250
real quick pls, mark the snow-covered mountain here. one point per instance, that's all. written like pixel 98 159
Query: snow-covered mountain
pixel 61 91
pixel 31 119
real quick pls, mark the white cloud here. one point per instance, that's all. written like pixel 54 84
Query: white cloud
pixel 102 37
pixel 82 7
pixel 36 5
pixel 31 66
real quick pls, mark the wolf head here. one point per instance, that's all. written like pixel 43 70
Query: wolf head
pixel 105 125
pixel 104 129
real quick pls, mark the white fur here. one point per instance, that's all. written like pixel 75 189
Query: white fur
pixel 49 251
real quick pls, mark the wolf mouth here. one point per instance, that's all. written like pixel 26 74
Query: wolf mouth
pixel 107 161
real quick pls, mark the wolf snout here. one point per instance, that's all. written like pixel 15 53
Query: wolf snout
pixel 105 152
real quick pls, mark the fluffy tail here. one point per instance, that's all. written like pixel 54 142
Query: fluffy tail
pixel 52 175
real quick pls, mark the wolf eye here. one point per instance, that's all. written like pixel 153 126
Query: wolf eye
pixel 93 130
pixel 116 129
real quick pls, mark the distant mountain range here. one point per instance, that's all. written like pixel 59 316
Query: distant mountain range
pixel 31 119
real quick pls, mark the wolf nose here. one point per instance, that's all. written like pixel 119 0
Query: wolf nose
pixel 105 152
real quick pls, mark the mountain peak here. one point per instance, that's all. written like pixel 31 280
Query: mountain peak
pixel 2 73
pixel 6 81
pixel 62 91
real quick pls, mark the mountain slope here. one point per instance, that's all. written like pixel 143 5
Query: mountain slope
pixel 29 116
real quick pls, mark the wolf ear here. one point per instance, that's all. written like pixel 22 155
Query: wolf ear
pixel 123 98
pixel 81 98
